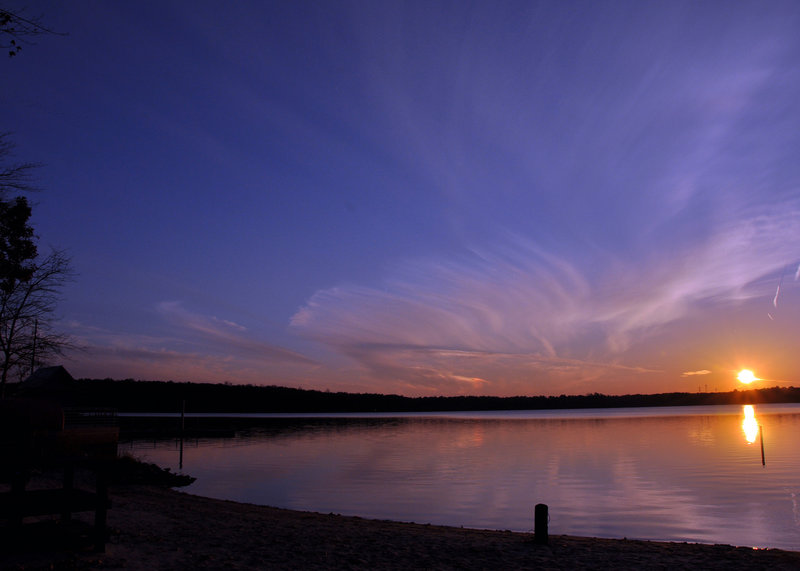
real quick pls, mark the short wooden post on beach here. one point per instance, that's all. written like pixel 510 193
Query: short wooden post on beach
pixel 540 519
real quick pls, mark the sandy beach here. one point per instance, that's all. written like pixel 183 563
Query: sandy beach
pixel 156 528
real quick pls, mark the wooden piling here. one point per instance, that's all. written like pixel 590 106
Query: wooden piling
pixel 761 434
pixel 540 520
pixel 183 428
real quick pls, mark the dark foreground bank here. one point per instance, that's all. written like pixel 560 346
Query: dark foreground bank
pixel 156 528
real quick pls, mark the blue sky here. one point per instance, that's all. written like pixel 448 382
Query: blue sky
pixel 420 198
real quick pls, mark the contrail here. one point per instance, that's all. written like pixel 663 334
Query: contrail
pixel 780 282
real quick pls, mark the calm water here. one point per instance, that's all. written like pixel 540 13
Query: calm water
pixel 678 474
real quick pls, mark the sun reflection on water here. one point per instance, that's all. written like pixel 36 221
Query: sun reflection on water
pixel 749 423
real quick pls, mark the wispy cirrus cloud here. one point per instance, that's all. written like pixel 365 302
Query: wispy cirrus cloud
pixel 694 373
pixel 638 218
pixel 424 370
pixel 220 336
pixel 194 347
pixel 519 312
pixel 645 172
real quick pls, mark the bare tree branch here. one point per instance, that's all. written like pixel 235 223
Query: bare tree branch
pixel 26 317
pixel 14 177
pixel 30 286
pixel 15 29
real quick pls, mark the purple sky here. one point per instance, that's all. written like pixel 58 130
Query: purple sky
pixel 421 198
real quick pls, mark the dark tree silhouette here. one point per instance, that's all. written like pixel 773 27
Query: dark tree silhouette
pixel 29 287
pixel 17 248
pixel 17 245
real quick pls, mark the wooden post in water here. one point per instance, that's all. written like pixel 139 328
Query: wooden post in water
pixel 540 519
pixel 761 433
pixel 183 426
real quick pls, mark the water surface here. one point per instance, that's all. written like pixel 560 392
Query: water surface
pixel 678 474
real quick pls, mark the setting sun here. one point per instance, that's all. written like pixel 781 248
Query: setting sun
pixel 746 376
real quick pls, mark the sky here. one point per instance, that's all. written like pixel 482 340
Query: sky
pixel 421 198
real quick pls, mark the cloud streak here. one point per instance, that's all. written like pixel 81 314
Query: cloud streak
pixel 218 335
pixel 694 373
pixel 548 312
pixel 194 347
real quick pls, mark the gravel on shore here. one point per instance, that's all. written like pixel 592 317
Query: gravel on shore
pixel 154 528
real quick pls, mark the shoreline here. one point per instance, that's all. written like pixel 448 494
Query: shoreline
pixel 157 528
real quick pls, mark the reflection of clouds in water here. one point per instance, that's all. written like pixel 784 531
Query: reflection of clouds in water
pixel 702 435
pixel 470 439
pixel 678 508
pixel 680 478
pixel 795 506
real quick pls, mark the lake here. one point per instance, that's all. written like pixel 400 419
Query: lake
pixel 671 473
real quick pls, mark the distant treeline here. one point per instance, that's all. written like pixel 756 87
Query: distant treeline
pixel 167 396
